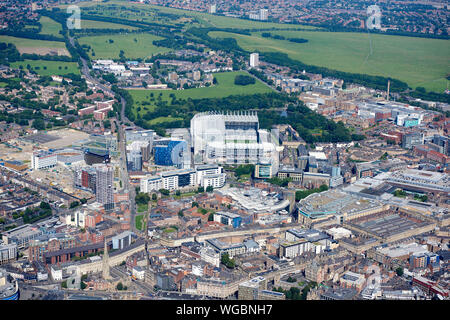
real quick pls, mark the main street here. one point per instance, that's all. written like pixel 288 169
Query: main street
pixel 121 139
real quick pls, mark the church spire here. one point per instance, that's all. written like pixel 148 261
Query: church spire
pixel 105 267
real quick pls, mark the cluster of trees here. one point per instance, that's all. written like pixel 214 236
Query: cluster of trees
pixel 261 75
pixel 423 198
pixel 243 80
pixel 294 293
pixel 121 287
pixel 279 37
pixel 74 204
pixel 172 56
pixel 142 198
pixel 298 40
pixel 138 24
pixel 111 78
pixel 399 193
pixel 305 121
pixel 229 263
pixel 32 215
pixel 175 42
pixel 8 53
pixel 29 34
pixel 244 169
pixel 279 182
pixel 421 93
pixel 301 194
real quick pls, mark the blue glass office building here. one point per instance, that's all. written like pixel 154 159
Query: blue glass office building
pixel 170 152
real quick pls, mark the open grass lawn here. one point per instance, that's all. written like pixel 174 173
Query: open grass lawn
pixel 416 61
pixel 225 87
pixel 141 48
pixel 132 12
pixel 91 24
pixel 199 18
pixel 140 222
pixel 31 43
pixel 48 68
pixel 142 208
pixel 50 26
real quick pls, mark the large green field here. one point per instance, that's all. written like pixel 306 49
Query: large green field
pixel 32 43
pixel 48 68
pixel 416 61
pixel 151 15
pixel 91 24
pixel 141 48
pixel 50 26
pixel 225 87
pixel 40 47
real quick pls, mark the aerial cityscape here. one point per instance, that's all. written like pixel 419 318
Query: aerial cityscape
pixel 224 150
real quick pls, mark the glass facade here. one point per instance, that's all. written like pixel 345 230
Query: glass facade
pixel 170 153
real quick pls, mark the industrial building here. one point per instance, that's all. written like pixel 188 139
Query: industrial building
pixel 43 160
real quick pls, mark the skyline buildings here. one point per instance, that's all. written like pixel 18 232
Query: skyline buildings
pixel 104 185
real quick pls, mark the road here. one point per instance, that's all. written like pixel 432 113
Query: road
pixel 138 284
pixel 121 138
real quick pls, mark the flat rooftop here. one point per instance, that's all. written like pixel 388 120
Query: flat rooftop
pixel 334 202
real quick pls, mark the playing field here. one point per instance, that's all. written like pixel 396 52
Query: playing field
pixel 48 68
pixel 40 47
pixel 416 61
pixel 225 87
pixel 133 45
pixel 50 26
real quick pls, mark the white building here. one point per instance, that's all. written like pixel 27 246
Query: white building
pixel 117 69
pixel 8 252
pixel 78 219
pixel 209 255
pixel 138 272
pixel 210 175
pixel 197 269
pixel 56 273
pixel 263 14
pixel 294 248
pixel 43 160
pixel 204 175
pixel 338 233
pixel 178 179
pixel 151 183
pixel 42 276
pixel 214 180
pixel 254 60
